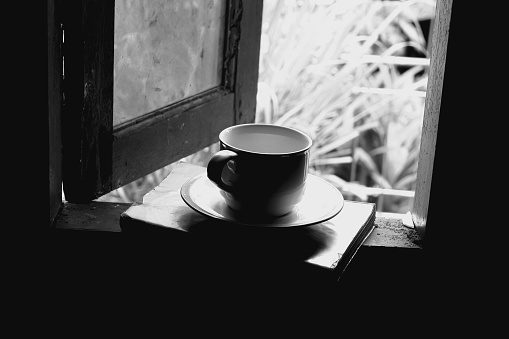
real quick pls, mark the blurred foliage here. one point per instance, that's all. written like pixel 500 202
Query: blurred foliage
pixel 351 74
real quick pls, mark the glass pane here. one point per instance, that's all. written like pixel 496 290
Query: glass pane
pixel 165 51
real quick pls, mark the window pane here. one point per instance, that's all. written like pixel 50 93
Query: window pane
pixel 164 51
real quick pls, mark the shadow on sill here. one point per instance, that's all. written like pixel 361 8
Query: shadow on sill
pixel 105 216
pixel 387 269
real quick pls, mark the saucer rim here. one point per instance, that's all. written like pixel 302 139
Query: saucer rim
pixel 185 195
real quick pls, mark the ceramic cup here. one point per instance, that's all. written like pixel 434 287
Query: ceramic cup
pixel 261 169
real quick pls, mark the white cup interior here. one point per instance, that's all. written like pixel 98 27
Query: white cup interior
pixel 266 139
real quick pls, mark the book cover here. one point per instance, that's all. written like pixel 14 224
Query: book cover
pixel 326 248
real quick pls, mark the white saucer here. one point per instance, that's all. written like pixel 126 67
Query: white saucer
pixel 321 202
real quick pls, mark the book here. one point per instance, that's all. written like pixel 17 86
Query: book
pixel 324 249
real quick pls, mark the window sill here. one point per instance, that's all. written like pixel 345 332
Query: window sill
pixel 387 269
pixel 389 229
pixel 389 256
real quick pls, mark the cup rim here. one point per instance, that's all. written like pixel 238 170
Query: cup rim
pixel 307 137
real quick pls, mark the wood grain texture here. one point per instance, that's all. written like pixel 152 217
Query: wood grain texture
pixel 54 107
pixel 88 110
pixel 431 115
pixel 246 84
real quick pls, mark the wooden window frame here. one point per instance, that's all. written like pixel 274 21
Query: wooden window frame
pixel 442 21
pixel 53 105
pixel 436 100
pixel 99 157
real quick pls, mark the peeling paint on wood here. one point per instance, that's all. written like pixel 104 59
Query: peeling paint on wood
pixel 390 232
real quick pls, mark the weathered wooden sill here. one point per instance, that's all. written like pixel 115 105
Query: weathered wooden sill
pixel 104 216
pixel 387 270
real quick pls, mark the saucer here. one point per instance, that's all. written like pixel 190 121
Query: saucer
pixel 321 202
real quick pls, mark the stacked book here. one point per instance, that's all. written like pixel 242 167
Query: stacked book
pixel 322 249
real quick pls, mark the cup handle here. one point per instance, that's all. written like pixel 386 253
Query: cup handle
pixel 216 165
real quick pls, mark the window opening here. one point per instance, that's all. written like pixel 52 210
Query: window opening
pixel 351 74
